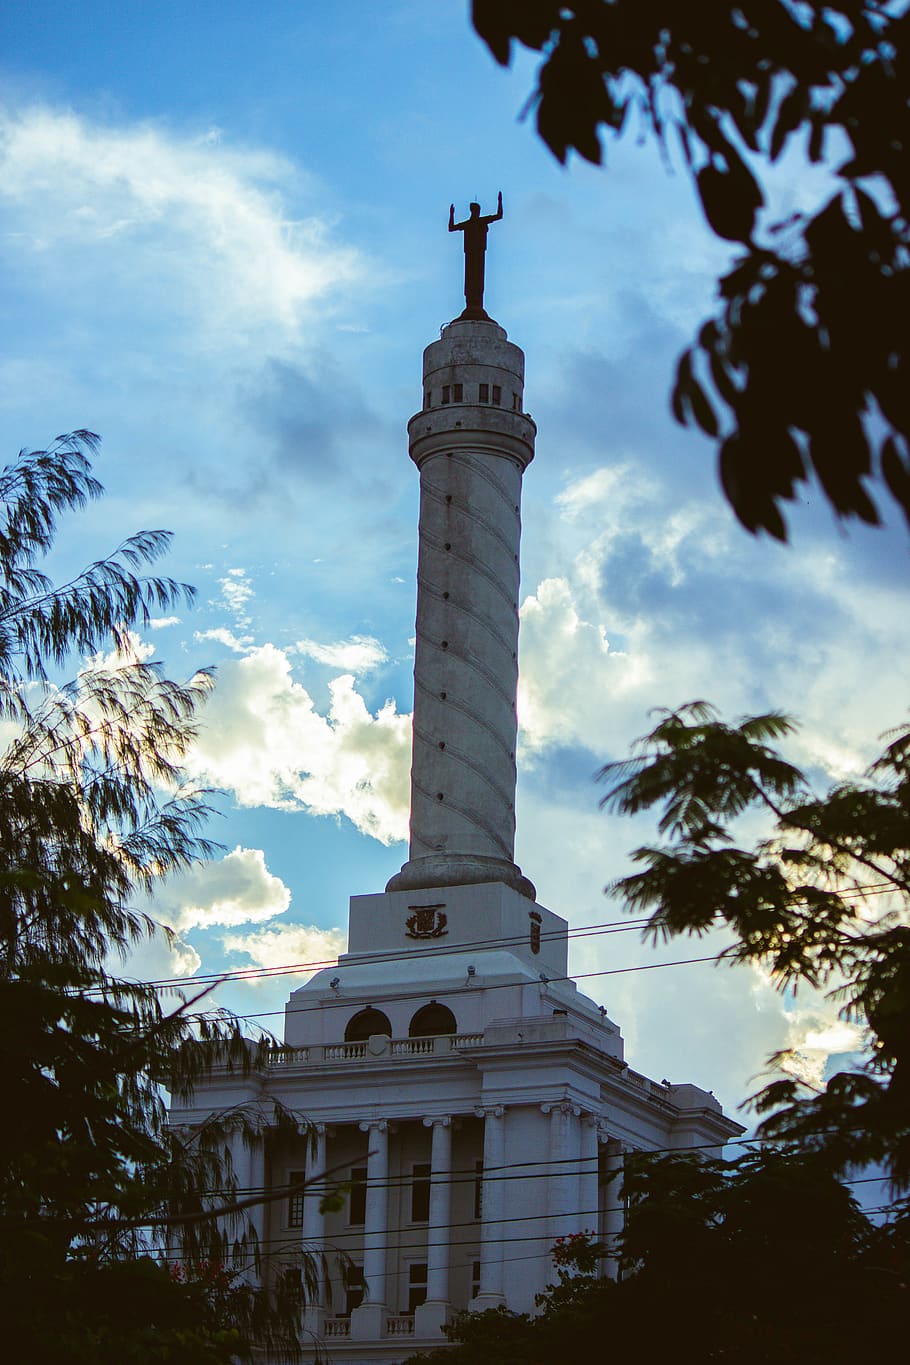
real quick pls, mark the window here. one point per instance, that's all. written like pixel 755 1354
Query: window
pixel 497 394
pixel 295 1200
pixel 475 1279
pixel 457 391
pixel 535 922
pixel 428 399
pixel 446 393
pixel 516 402
pixel 364 1024
pixel 357 1196
pixel 353 1288
pixel 417 1284
pixel 420 1192
pixel 433 1019
pixel 478 1189
pixel 484 393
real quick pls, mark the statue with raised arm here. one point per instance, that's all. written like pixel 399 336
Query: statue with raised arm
pixel 475 246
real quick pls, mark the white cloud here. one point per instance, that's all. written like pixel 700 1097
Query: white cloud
pixel 568 670
pixel 288 945
pixel 263 739
pixel 157 959
pixel 236 889
pixel 190 216
pixel 236 592
pixel 360 654
pixel 240 644
pixel 162 622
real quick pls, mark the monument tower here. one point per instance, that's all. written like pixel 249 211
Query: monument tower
pixel 473 1099
pixel 472 443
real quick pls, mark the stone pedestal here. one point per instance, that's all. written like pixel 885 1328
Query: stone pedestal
pixel 430 1317
pixel 368 1322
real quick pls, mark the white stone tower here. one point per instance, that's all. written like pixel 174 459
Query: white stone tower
pixel 472 443
pixel 476 1102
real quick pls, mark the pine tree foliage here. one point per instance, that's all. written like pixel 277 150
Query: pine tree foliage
pixel 823 901
pixel 110 1247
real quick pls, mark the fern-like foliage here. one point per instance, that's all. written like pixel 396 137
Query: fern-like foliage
pixel 98 1195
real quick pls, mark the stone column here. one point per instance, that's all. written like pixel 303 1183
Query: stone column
pixel 368 1321
pixel 431 1315
pixel 249 1170
pixel 313 1227
pixel 588 1178
pixel 614 1214
pixel 563 1202
pixel 492 1224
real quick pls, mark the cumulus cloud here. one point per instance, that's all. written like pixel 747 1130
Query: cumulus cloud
pixel 661 600
pixel 288 945
pixel 190 215
pixel 568 670
pixel 162 622
pixel 360 654
pixel 157 959
pixel 236 889
pixel 264 740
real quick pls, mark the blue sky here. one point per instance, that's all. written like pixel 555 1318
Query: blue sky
pixel 223 245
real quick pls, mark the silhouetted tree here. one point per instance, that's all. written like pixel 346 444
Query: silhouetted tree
pixel 821 902
pixel 803 368
pixel 96 1192
pixel 764 1259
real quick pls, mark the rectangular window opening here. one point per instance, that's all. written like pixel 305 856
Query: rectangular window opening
pixel 497 394
pixel 475 1279
pixel 357 1197
pixel 446 393
pixel 457 391
pixel 427 400
pixel 417 1284
pixel 478 1189
pixel 354 1288
pixel 516 402
pixel 420 1192
pixel 295 1200
pixel 484 393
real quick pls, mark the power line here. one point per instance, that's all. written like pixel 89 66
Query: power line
pixel 544 980
pixel 295 968
pixel 443 950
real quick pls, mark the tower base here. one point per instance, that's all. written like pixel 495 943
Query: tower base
pixel 459 869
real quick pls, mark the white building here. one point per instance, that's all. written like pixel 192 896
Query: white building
pixel 473 1097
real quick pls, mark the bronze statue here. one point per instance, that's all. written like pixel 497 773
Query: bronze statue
pixel 475 246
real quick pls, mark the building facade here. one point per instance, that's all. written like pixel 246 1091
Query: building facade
pixel 473 1100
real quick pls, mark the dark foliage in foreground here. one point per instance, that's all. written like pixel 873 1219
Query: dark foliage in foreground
pixel 802 370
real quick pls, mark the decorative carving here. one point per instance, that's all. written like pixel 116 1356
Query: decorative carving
pixel 426 921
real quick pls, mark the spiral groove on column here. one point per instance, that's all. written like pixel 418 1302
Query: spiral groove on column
pixel 471 458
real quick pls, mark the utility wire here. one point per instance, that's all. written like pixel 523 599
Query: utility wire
pixel 544 980
pixel 294 968
pixel 443 950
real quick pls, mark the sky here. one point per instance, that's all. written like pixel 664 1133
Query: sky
pixel 224 247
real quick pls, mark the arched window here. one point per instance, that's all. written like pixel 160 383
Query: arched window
pixel 365 1024
pixel 431 1020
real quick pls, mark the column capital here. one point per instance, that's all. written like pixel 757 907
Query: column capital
pixel 444 1120
pixel 560 1107
pixel 381 1125
pixel 316 1129
pixel 494 1111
